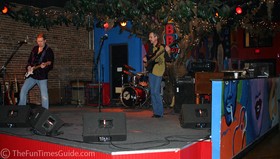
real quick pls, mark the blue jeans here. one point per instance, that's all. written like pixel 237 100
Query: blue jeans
pixel 28 84
pixel 155 86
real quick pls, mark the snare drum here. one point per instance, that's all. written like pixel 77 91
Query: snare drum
pixel 132 96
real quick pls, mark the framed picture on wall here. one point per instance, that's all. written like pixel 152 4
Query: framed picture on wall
pixel 257 39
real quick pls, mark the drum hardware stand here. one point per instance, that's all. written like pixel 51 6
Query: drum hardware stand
pixel 147 102
pixel 118 102
pixel 122 79
pixel 3 68
pixel 99 70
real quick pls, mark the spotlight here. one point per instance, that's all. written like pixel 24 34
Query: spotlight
pixel 216 14
pixel 5 10
pixel 106 25
pixel 123 24
pixel 238 10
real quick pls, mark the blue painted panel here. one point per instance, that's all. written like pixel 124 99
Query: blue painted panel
pixel 216 118
pixel 115 37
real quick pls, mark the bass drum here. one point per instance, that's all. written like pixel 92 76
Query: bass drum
pixel 133 96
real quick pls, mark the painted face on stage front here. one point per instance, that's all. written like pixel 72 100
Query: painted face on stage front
pixel 230 94
pixel 257 98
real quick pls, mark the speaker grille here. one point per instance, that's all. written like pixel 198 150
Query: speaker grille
pixel 102 127
pixel 184 94
pixel 195 116
pixel 14 116
pixel 45 122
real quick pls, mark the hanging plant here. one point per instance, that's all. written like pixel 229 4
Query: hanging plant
pixel 192 17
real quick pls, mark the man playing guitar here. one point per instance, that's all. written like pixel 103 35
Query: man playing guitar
pixel 40 62
pixel 155 65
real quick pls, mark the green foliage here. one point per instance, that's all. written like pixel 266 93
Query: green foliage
pixel 191 16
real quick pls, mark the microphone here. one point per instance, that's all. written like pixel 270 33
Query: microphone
pixel 22 42
pixel 104 37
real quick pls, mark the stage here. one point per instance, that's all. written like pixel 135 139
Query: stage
pixel 147 137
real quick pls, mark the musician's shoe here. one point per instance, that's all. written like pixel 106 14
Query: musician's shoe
pixel 157 116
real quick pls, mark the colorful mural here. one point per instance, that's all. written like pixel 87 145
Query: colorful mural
pixel 249 109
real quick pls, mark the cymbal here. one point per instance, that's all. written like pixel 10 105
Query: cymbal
pixel 129 67
pixel 128 73
pixel 142 73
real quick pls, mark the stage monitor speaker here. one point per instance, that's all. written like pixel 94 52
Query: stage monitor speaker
pixel 195 116
pixel 14 116
pixel 44 122
pixel 184 94
pixel 104 127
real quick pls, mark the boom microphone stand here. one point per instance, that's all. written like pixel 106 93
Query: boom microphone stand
pixel 99 70
pixel 3 68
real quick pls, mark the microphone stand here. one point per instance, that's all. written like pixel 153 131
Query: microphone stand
pixel 3 70
pixel 99 73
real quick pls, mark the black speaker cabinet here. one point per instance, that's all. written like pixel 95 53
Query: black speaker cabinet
pixel 14 116
pixel 195 116
pixel 45 122
pixel 103 127
pixel 184 94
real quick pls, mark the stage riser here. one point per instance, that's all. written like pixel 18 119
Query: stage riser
pixel 198 150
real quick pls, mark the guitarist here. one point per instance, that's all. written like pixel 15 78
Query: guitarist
pixel 42 56
pixel 154 62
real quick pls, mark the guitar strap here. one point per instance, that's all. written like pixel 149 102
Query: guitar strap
pixel 151 51
pixel 43 54
pixel 158 47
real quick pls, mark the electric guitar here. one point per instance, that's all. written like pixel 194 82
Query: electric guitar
pixel 15 91
pixel 30 72
pixel 151 60
pixel 8 99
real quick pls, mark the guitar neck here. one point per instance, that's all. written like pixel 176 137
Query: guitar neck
pixel 36 67
pixel 154 57
pixel 162 51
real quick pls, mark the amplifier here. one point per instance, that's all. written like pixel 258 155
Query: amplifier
pixel 92 94
pixel 184 93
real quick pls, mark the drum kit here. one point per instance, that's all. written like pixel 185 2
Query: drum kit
pixel 135 93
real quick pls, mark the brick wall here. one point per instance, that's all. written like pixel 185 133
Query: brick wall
pixel 73 58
